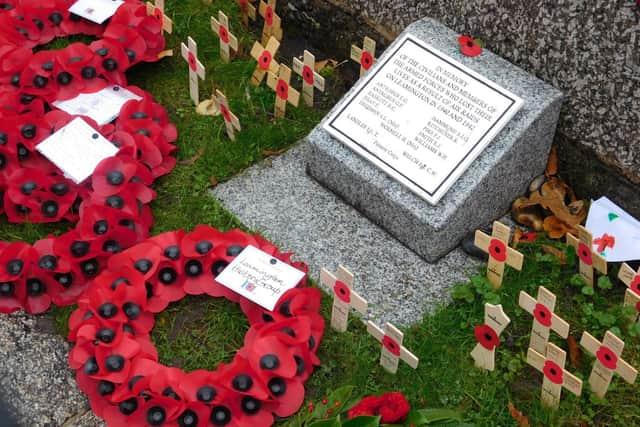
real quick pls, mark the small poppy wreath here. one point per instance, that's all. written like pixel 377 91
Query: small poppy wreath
pixel 117 364
pixel 110 209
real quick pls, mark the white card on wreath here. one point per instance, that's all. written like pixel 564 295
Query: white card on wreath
pixel 103 106
pixel 76 149
pixel 616 234
pixel 258 276
pixel 96 11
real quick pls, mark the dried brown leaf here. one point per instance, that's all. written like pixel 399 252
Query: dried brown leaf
pixel 213 181
pixel 574 351
pixel 165 53
pixel 321 64
pixel 555 228
pixel 518 416
pixel 552 162
pixel 268 153
pixel 193 159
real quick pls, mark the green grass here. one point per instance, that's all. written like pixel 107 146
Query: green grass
pixel 201 332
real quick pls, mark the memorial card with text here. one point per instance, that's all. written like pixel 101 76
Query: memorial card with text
pixel 422 117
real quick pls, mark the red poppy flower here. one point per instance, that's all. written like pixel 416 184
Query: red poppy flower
pixel 191 58
pixel 638 306
pixel 584 253
pixel 391 345
pixel 226 115
pixel 486 337
pixel 607 357
pixel 268 16
pixel 307 74
pixel 529 236
pixel 393 407
pixel 113 60
pixel 342 291
pixel 282 89
pixel 366 60
pixel 553 372
pixel 468 46
pixel 543 315
pixel 223 33
pixel 635 284
pixel 498 250
pixel 265 60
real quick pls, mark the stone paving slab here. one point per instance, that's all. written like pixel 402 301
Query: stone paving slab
pixel 279 200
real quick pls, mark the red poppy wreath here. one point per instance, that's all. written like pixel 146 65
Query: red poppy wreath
pixel 117 365
pixel 111 207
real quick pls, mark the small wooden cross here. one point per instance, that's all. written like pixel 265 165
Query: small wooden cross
pixel 392 349
pixel 555 376
pixel 228 41
pixel 266 62
pixel 271 21
pixel 544 319
pixel 607 362
pixel 196 69
pixel 157 10
pixel 284 93
pixel 365 56
pixel 497 246
pixel 589 259
pixel 488 336
pixel 230 119
pixel 248 11
pixel 310 78
pixel 344 297
pixel 632 280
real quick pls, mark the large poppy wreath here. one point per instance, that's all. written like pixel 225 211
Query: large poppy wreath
pixel 117 365
pixel 110 208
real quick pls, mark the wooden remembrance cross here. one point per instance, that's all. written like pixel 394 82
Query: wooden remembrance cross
pixel 544 319
pixel 488 336
pixel 555 376
pixel 271 21
pixel 157 10
pixel 310 78
pixel 196 69
pixel 248 11
pixel 589 259
pixel 284 92
pixel 497 246
pixel 343 297
pixel 266 62
pixel 392 349
pixel 228 41
pixel 632 280
pixel 230 120
pixel 608 362
pixel 365 56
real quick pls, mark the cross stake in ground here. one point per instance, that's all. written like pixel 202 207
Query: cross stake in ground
pixel 157 10
pixel 272 21
pixel 365 56
pixel 310 78
pixel 589 259
pixel 284 93
pixel 343 297
pixel 497 246
pixel 266 62
pixel 248 11
pixel 228 42
pixel 392 349
pixel 632 280
pixel 230 120
pixel 608 362
pixel 544 319
pixel 196 69
pixel 488 336
pixel 555 376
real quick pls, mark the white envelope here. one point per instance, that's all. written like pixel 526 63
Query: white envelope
pixel 616 234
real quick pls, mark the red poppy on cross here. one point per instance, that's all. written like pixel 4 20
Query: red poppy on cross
pixel 266 62
pixel 228 42
pixel 248 11
pixel 285 93
pixel 555 376
pixel 632 280
pixel 157 10
pixel 588 258
pixel 392 349
pixel 544 319
pixel 344 296
pixel 310 78
pixel 365 56
pixel 497 245
pixel 272 21
pixel 231 122
pixel 196 69
pixel 488 336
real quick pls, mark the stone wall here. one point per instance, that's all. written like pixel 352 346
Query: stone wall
pixel 590 49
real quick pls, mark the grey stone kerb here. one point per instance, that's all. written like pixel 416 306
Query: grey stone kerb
pixel 484 192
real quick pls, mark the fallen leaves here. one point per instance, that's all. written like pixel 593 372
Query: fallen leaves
pixel 552 162
pixel 193 159
pixel 268 153
pixel 574 351
pixel 518 416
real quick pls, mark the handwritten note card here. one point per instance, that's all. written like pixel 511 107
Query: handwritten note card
pixel 102 106
pixel 258 276
pixel 96 11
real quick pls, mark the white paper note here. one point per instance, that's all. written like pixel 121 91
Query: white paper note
pixel 76 149
pixel 616 234
pixel 96 11
pixel 103 106
pixel 258 276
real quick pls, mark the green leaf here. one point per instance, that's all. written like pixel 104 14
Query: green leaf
pixel 604 283
pixel 435 415
pixel 577 281
pixel 331 422
pixel 492 298
pixel 605 319
pixel 587 290
pixel 363 421
pixel 463 291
